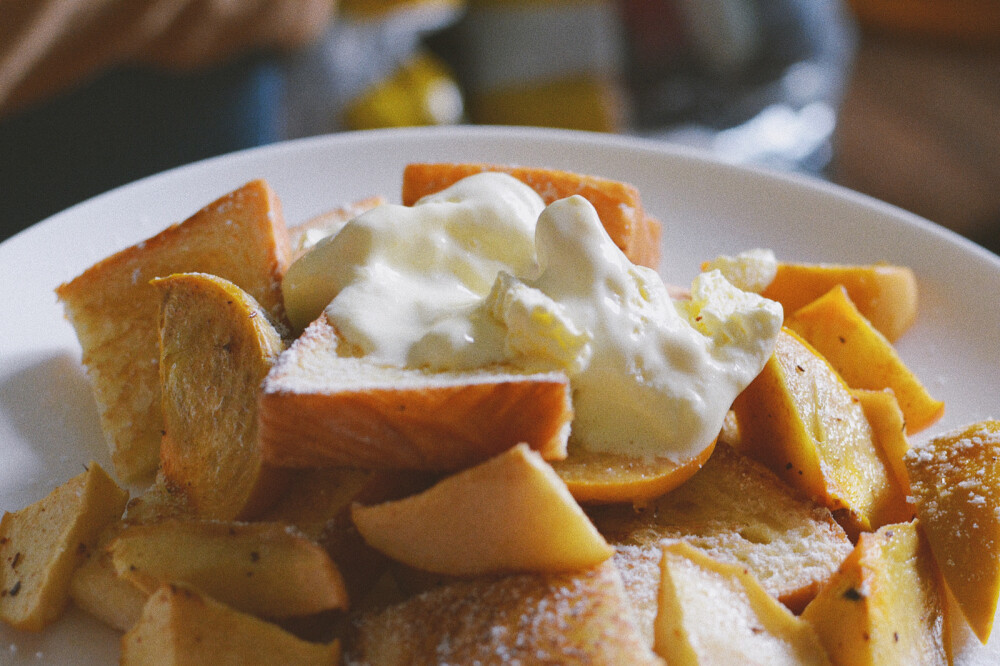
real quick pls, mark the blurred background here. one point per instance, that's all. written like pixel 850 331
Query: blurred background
pixel 899 99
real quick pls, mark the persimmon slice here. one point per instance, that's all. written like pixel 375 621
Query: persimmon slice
pixel 600 478
pixel 885 294
pixel 862 356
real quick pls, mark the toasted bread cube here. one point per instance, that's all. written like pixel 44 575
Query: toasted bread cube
pixel 573 618
pixel 885 294
pixel 738 512
pixel 265 569
pixel 240 237
pixel 862 356
pixel 319 408
pixel 618 204
pixel 509 514
pixel 800 419
pixel 216 346
pixel 181 626
pixel 885 605
pixel 955 479
pixel 714 613
pixel 43 544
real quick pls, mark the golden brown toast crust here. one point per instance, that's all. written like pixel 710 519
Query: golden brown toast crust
pixel 319 409
pixel 240 237
pixel 618 204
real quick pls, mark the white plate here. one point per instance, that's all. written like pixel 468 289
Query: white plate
pixel 48 424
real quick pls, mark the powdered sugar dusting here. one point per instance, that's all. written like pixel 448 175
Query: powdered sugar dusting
pixel 955 483
pixel 528 618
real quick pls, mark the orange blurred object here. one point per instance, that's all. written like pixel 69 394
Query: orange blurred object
pixel 971 21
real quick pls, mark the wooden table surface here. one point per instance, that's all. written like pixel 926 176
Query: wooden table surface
pixel 920 128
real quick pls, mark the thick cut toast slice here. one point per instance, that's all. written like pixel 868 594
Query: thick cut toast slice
pixel 321 408
pixel 576 618
pixel 240 237
pixel 738 512
pixel 618 204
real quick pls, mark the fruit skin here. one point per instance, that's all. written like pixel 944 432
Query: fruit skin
pixel 885 294
pixel 601 478
pixel 955 480
pixel 862 356
pixel 216 347
pixel 800 419
pixel 885 605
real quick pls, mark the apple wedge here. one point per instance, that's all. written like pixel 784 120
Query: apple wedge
pixel 862 356
pixel 216 346
pixel 885 605
pixel 511 513
pixel 97 589
pixel 43 544
pixel 266 569
pixel 955 479
pixel 885 294
pixel 799 418
pixel 600 478
pixel 714 613
pixel 180 626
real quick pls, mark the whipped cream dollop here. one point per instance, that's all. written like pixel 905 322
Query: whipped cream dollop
pixel 484 273
pixel 750 270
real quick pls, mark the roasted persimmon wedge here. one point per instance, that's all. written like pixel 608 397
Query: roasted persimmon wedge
pixel 955 479
pixel 618 204
pixel 885 294
pixel 800 419
pixel 862 356
pixel 886 419
pixel 599 478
